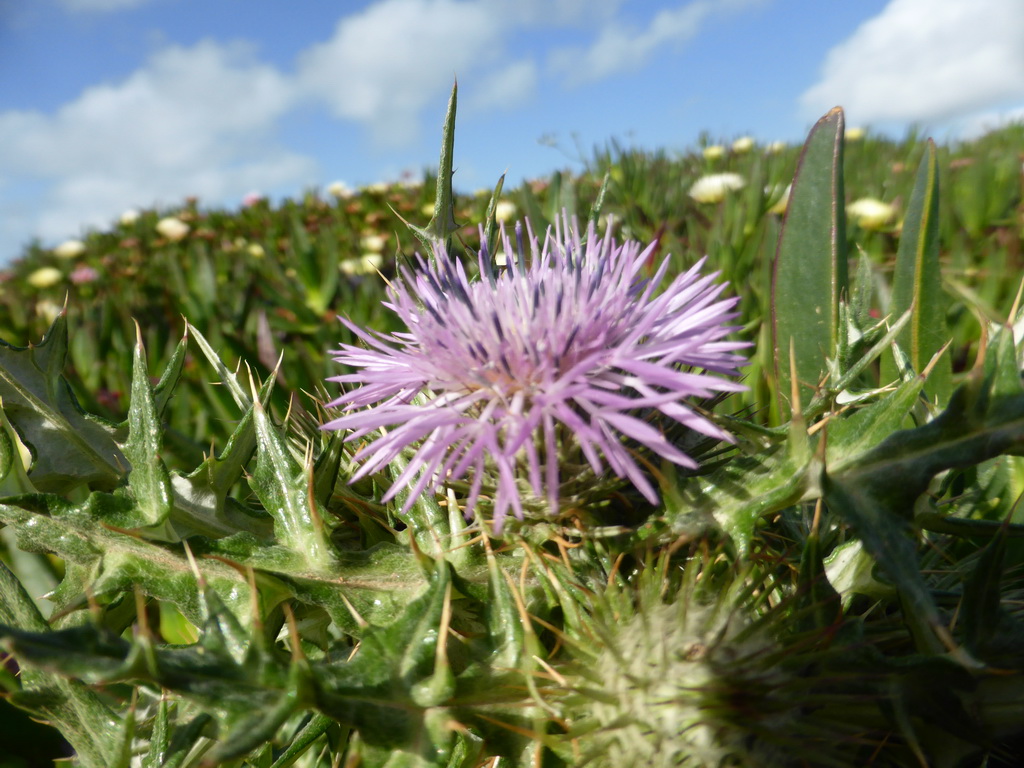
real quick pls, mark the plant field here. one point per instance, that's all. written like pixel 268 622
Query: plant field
pixel 768 524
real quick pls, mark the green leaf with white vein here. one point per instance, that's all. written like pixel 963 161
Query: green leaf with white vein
pixel 69 447
pixel 284 488
pixel 148 479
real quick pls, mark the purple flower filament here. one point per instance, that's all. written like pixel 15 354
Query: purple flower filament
pixel 495 375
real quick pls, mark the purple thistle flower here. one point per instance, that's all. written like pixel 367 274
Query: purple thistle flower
pixel 495 374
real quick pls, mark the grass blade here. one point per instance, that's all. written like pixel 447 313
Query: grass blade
pixel 917 284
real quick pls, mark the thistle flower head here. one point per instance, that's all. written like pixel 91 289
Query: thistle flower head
pixel 695 681
pixel 559 352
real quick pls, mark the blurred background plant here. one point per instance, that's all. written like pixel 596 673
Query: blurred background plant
pixel 264 279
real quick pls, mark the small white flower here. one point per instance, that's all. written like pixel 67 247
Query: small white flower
pixel 377 188
pixel 69 249
pixel 504 210
pixel 775 147
pixel 129 217
pixel 714 152
pixel 743 144
pixel 714 187
pixel 372 242
pixel 255 250
pixel 173 228
pixel 364 265
pixel 855 134
pixel 339 190
pixel 871 213
pixel 45 277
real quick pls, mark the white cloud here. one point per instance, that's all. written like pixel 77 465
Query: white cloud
pixel 201 120
pixel 556 12
pixel 510 85
pixel 192 121
pixel 384 65
pixel 924 61
pixel 620 47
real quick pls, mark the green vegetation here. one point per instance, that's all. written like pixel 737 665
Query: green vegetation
pixel 839 587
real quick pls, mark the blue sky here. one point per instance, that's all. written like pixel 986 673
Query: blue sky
pixel 107 105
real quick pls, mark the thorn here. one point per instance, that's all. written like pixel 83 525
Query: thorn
pixel 94 607
pixel 441 656
pixel 314 509
pixel 816 523
pixel 1016 304
pixel 935 358
pixel 288 413
pixel 979 360
pixel 140 614
pixel 252 385
pixel 293 632
pixel 1008 520
pixel 530 637
pixel 138 335
pixel 794 387
pixel 551 671
pixel 363 623
pixel 200 579
pixel 355 650
pixel 532 735
pixel 133 532
pixel 977 373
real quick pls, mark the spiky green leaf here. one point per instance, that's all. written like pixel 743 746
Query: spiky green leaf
pixel 68 447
